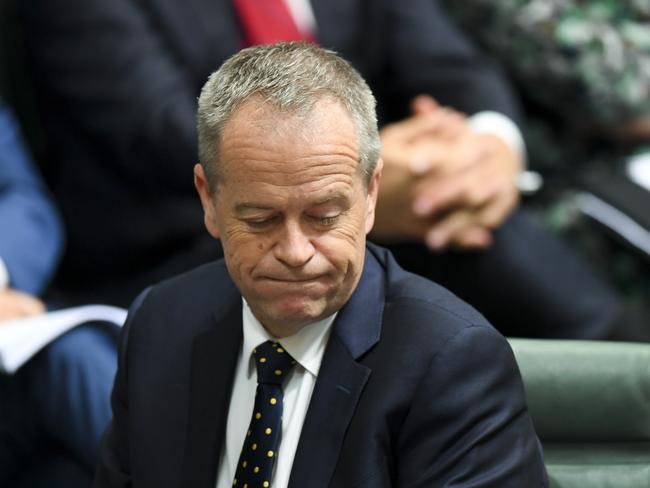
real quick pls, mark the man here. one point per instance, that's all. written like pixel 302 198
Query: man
pixel 126 75
pixel 54 410
pixel 388 379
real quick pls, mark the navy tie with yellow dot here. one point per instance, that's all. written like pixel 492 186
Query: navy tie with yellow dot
pixel 255 468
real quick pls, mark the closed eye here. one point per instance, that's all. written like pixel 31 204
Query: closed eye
pixel 328 220
pixel 260 223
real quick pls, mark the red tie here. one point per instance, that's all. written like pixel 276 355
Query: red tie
pixel 268 21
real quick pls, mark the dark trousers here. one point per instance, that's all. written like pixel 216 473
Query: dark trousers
pixel 527 284
pixel 54 410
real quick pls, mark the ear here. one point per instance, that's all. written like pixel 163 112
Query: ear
pixel 208 201
pixel 373 192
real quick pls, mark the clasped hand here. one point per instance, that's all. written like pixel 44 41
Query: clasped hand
pixel 442 183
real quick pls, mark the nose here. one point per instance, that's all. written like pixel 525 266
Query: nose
pixel 294 247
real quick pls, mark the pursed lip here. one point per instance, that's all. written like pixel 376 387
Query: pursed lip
pixel 275 279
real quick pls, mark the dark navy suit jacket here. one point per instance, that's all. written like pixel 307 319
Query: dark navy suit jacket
pixel 416 389
pixel 30 232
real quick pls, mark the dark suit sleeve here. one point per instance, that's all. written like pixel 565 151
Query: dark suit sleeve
pixel 427 53
pixel 469 425
pixel 30 231
pixel 110 72
pixel 113 470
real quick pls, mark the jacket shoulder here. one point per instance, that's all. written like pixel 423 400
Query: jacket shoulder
pixel 421 312
pixel 406 289
pixel 193 299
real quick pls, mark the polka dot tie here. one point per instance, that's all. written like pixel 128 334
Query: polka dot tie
pixel 255 468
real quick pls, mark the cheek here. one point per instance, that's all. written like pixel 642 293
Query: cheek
pixel 351 233
pixel 344 248
pixel 236 237
pixel 242 250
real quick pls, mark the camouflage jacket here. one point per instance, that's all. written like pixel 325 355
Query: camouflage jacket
pixel 589 59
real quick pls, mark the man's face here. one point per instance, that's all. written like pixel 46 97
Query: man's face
pixel 292 211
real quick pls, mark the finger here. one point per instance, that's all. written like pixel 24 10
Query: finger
pixel 25 304
pixel 468 188
pixel 499 205
pixel 453 124
pixel 423 104
pixel 477 232
pixel 472 238
pixel 439 236
pixel 497 211
pixel 31 306
pixel 427 156
pixel 455 127
pixel 14 310
pixel 415 127
pixel 446 155
pixel 469 228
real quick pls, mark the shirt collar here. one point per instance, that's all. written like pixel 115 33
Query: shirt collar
pixel 307 346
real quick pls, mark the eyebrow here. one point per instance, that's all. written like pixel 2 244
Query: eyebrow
pixel 242 207
pixel 333 197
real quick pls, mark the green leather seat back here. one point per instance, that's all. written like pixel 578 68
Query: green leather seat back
pixel 625 465
pixel 590 403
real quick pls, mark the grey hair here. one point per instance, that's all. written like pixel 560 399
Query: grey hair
pixel 290 76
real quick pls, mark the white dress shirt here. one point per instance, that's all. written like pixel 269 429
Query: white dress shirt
pixel 307 348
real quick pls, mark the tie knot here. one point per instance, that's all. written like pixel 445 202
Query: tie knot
pixel 273 363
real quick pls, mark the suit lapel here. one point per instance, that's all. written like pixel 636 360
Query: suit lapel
pixel 214 358
pixel 332 405
pixel 340 381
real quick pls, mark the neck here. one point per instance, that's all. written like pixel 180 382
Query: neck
pixel 282 331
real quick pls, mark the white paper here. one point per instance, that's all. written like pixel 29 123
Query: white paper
pixel 22 338
pixel 638 169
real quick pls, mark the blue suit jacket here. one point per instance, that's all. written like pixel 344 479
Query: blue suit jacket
pixel 30 232
pixel 416 389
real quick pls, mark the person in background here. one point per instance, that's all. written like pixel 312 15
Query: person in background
pixel 53 410
pixel 31 238
pixel 118 85
pixel 583 69
pixel 581 66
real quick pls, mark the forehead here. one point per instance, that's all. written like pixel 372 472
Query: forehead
pixel 261 142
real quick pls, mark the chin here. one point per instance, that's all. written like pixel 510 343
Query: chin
pixel 295 313
pixel 301 310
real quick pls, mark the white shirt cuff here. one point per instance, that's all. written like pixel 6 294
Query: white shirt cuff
pixel 502 127
pixel 303 15
pixel 4 275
